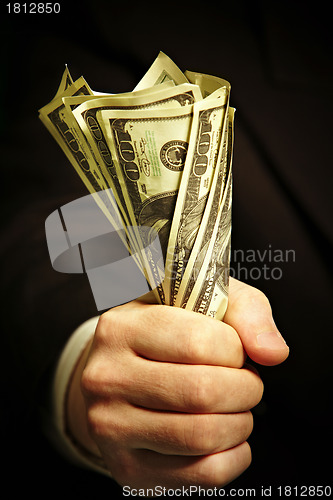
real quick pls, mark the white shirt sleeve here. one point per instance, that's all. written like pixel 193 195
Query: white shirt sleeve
pixel 55 422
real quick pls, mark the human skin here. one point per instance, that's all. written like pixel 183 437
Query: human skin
pixel 164 394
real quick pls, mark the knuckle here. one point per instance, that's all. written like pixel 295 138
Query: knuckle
pixel 103 323
pixel 236 429
pixel 250 297
pixel 96 421
pixel 258 297
pixel 109 325
pixel 209 476
pixel 194 348
pixel 117 325
pixel 106 426
pixel 243 290
pixel 199 392
pixel 200 435
pixel 215 471
pixel 100 378
pixel 88 382
pixel 93 380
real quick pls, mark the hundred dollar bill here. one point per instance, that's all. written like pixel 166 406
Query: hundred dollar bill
pixel 207 126
pixel 163 69
pixel 206 227
pixel 90 115
pixel 216 197
pixel 55 118
pixel 60 124
pixel 210 292
pixel 207 83
pixel 72 102
pixel 66 81
pixel 149 147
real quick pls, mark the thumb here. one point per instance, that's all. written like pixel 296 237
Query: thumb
pixel 250 314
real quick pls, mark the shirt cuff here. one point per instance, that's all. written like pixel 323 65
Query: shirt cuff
pixel 55 425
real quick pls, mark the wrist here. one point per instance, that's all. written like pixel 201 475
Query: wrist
pixel 75 408
pixel 58 427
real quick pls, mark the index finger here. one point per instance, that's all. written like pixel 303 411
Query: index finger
pixel 166 333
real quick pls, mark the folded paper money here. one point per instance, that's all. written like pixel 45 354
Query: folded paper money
pixel 161 158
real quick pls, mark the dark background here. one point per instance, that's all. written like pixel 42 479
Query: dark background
pixel 277 56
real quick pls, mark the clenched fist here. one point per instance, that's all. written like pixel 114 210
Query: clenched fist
pixel 164 394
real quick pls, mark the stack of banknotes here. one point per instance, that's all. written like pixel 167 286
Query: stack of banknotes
pixel 161 156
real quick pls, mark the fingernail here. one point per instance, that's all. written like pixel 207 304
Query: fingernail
pixel 271 340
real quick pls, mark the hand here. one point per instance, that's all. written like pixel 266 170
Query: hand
pixel 167 393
